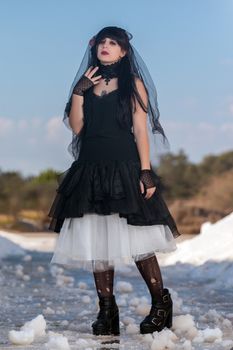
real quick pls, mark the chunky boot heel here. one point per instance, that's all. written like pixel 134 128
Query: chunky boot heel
pixel 169 320
pixel 107 322
pixel 160 315
pixel 115 327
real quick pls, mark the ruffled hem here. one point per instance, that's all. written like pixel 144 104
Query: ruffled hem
pixel 107 187
pixel 108 238
pixel 119 263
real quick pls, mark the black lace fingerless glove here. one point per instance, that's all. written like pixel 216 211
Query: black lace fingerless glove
pixel 82 85
pixel 147 177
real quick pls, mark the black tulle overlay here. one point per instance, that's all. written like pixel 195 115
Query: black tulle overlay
pixel 105 179
pixel 107 187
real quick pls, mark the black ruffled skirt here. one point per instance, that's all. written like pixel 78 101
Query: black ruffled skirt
pixel 107 187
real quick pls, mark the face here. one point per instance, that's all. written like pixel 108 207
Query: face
pixel 109 51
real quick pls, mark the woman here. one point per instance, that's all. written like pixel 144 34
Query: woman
pixel 109 209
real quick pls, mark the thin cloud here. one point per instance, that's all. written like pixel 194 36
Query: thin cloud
pixel 227 61
pixel 6 125
pixel 54 129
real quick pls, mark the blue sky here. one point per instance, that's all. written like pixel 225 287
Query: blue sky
pixel 186 44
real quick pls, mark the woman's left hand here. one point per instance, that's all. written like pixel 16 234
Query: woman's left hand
pixel 149 191
pixel 147 182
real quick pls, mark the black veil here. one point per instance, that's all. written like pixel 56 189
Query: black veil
pixel 157 138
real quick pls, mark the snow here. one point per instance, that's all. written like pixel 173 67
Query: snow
pixel 132 328
pixel 48 311
pixel 82 285
pixel 86 344
pixel 57 342
pixel 142 309
pixel 21 337
pixel 163 340
pixel 40 269
pixel 184 325
pixel 124 287
pixel 184 334
pixel 128 320
pixel 29 331
pixel 41 242
pixel 38 325
pixel 86 299
pixel 27 257
pixel 208 335
pixel 20 273
pixel 214 242
pixel 8 247
pixel 203 263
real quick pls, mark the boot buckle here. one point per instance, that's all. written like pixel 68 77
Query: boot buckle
pixel 161 312
pixel 166 297
pixel 156 321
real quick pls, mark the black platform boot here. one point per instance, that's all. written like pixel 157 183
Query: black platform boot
pixel 160 315
pixel 107 322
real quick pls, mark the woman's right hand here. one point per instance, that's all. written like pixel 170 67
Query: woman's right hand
pixel 86 81
pixel 90 72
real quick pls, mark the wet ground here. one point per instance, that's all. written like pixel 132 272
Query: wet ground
pixel 29 288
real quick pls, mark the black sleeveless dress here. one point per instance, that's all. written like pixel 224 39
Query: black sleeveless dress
pixel 100 194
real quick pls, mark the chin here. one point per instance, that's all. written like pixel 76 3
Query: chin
pixel 106 59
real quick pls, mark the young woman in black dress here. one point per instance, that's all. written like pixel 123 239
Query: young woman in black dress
pixel 108 209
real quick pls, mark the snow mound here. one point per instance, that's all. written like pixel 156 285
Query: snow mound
pixel 214 242
pixel 9 248
pixel 21 337
pixel 28 332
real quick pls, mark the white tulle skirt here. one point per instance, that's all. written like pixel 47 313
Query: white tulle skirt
pixel 108 237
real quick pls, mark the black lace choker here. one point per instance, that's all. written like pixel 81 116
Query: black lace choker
pixel 109 71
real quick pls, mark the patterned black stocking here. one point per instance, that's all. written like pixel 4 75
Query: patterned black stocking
pixel 104 278
pixel 150 271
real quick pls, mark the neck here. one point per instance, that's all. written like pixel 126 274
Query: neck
pixel 109 63
pixel 109 71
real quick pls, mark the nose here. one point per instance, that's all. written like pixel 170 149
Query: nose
pixel 104 45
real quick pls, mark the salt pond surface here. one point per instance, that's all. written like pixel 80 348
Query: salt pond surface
pixel 50 307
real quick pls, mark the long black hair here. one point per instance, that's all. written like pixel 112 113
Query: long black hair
pixel 132 67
